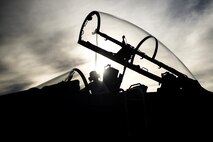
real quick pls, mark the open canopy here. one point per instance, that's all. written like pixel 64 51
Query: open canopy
pixel 146 57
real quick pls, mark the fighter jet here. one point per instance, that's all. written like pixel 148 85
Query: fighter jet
pixel 102 110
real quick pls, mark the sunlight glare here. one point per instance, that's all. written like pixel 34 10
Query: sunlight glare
pixel 101 64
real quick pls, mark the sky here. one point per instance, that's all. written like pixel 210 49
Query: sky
pixel 38 38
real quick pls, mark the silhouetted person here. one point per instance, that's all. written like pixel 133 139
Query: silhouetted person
pixel 96 86
pixel 112 79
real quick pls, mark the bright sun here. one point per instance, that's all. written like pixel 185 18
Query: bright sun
pixel 101 63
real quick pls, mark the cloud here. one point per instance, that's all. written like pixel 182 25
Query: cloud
pixel 30 57
pixel 194 40
pixel 13 85
pixel 183 9
pixel 55 50
pixel 33 46
pixel 13 17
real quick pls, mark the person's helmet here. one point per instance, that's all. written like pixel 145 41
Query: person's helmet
pixel 93 75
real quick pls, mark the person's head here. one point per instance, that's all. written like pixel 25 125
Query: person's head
pixel 94 76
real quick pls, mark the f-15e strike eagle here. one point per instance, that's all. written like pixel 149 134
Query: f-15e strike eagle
pixel 104 111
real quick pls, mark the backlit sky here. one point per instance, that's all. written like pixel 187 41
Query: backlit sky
pixel 38 38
